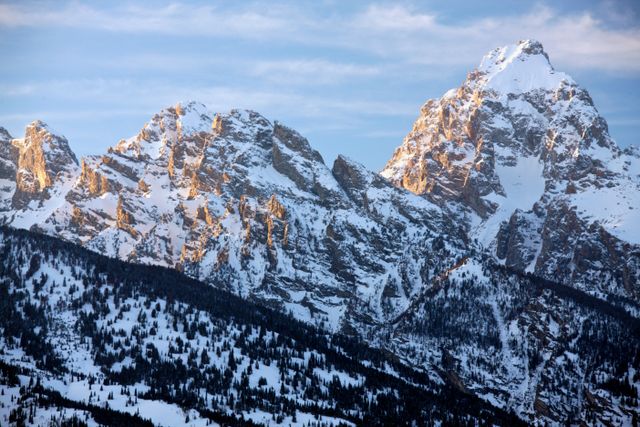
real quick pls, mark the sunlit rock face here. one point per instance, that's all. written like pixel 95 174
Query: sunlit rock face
pixel 35 167
pixel 521 155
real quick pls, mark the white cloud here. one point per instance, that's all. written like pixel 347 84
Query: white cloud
pixel 394 18
pixel 175 18
pixel 392 32
pixel 580 41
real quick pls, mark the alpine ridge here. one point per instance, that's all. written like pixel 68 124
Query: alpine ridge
pixel 236 199
pixel 497 253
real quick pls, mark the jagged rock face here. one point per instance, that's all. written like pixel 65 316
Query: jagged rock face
pixel 521 155
pixel 247 204
pixel 38 165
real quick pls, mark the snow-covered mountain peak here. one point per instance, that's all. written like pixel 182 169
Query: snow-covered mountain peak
pixel 521 154
pixel 501 57
pixel 519 68
pixel 189 126
pixel 187 106
pixel 175 124
pixel 193 117
pixel 240 122
pixel 513 106
pixel 42 144
pixel 38 124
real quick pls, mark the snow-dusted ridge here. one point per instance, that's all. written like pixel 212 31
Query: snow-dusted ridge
pixel 237 199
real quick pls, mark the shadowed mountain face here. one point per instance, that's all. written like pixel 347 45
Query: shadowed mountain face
pixel 513 172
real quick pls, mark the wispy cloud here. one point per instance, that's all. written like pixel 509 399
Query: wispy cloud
pixel 317 71
pixel 68 114
pixel 69 88
pixel 580 40
pixel 394 18
pixel 401 32
pixel 150 96
pixel 175 18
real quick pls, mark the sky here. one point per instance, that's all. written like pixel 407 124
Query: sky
pixel 350 76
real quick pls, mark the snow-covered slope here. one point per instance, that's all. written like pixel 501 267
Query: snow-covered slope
pixel 522 157
pixel 538 348
pixel 110 343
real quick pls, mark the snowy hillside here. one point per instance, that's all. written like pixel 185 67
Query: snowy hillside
pixel 109 343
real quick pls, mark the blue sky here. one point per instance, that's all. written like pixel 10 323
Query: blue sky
pixel 350 76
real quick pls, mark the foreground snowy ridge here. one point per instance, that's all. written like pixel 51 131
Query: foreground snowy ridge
pixel 98 341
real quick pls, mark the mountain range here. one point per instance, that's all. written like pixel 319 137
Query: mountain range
pixel 497 254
